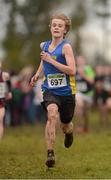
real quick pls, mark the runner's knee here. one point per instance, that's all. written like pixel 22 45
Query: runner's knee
pixel 52 111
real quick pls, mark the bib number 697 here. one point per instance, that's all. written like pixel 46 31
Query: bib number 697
pixel 56 82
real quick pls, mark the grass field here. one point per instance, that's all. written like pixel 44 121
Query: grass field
pixel 23 155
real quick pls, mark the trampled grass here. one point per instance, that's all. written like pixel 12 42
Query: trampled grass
pixel 23 155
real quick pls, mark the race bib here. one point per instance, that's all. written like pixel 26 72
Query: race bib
pixel 107 86
pixel 3 90
pixel 56 80
pixel 81 87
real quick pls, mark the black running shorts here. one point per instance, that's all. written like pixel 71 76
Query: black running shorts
pixel 66 105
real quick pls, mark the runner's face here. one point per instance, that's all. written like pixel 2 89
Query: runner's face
pixel 58 28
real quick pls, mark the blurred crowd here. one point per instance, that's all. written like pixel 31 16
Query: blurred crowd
pixel 25 105
pixel 93 93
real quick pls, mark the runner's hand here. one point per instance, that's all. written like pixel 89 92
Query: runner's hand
pixel 33 80
pixel 45 56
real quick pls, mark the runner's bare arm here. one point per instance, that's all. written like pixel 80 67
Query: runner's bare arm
pixel 37 74
pixel 39 70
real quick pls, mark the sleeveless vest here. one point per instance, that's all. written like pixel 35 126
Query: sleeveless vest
pixel 55 80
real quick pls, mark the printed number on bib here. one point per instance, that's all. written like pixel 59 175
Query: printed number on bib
pixel 56 80
pixel 2 90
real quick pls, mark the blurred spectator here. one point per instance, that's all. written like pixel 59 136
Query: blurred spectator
pixel 28 94
pixel 5 95
pixel 84 96
pixel 102 95
pixel 16 103
pixel 107 86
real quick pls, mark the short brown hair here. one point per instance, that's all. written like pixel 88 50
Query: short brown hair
pixel 63 17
